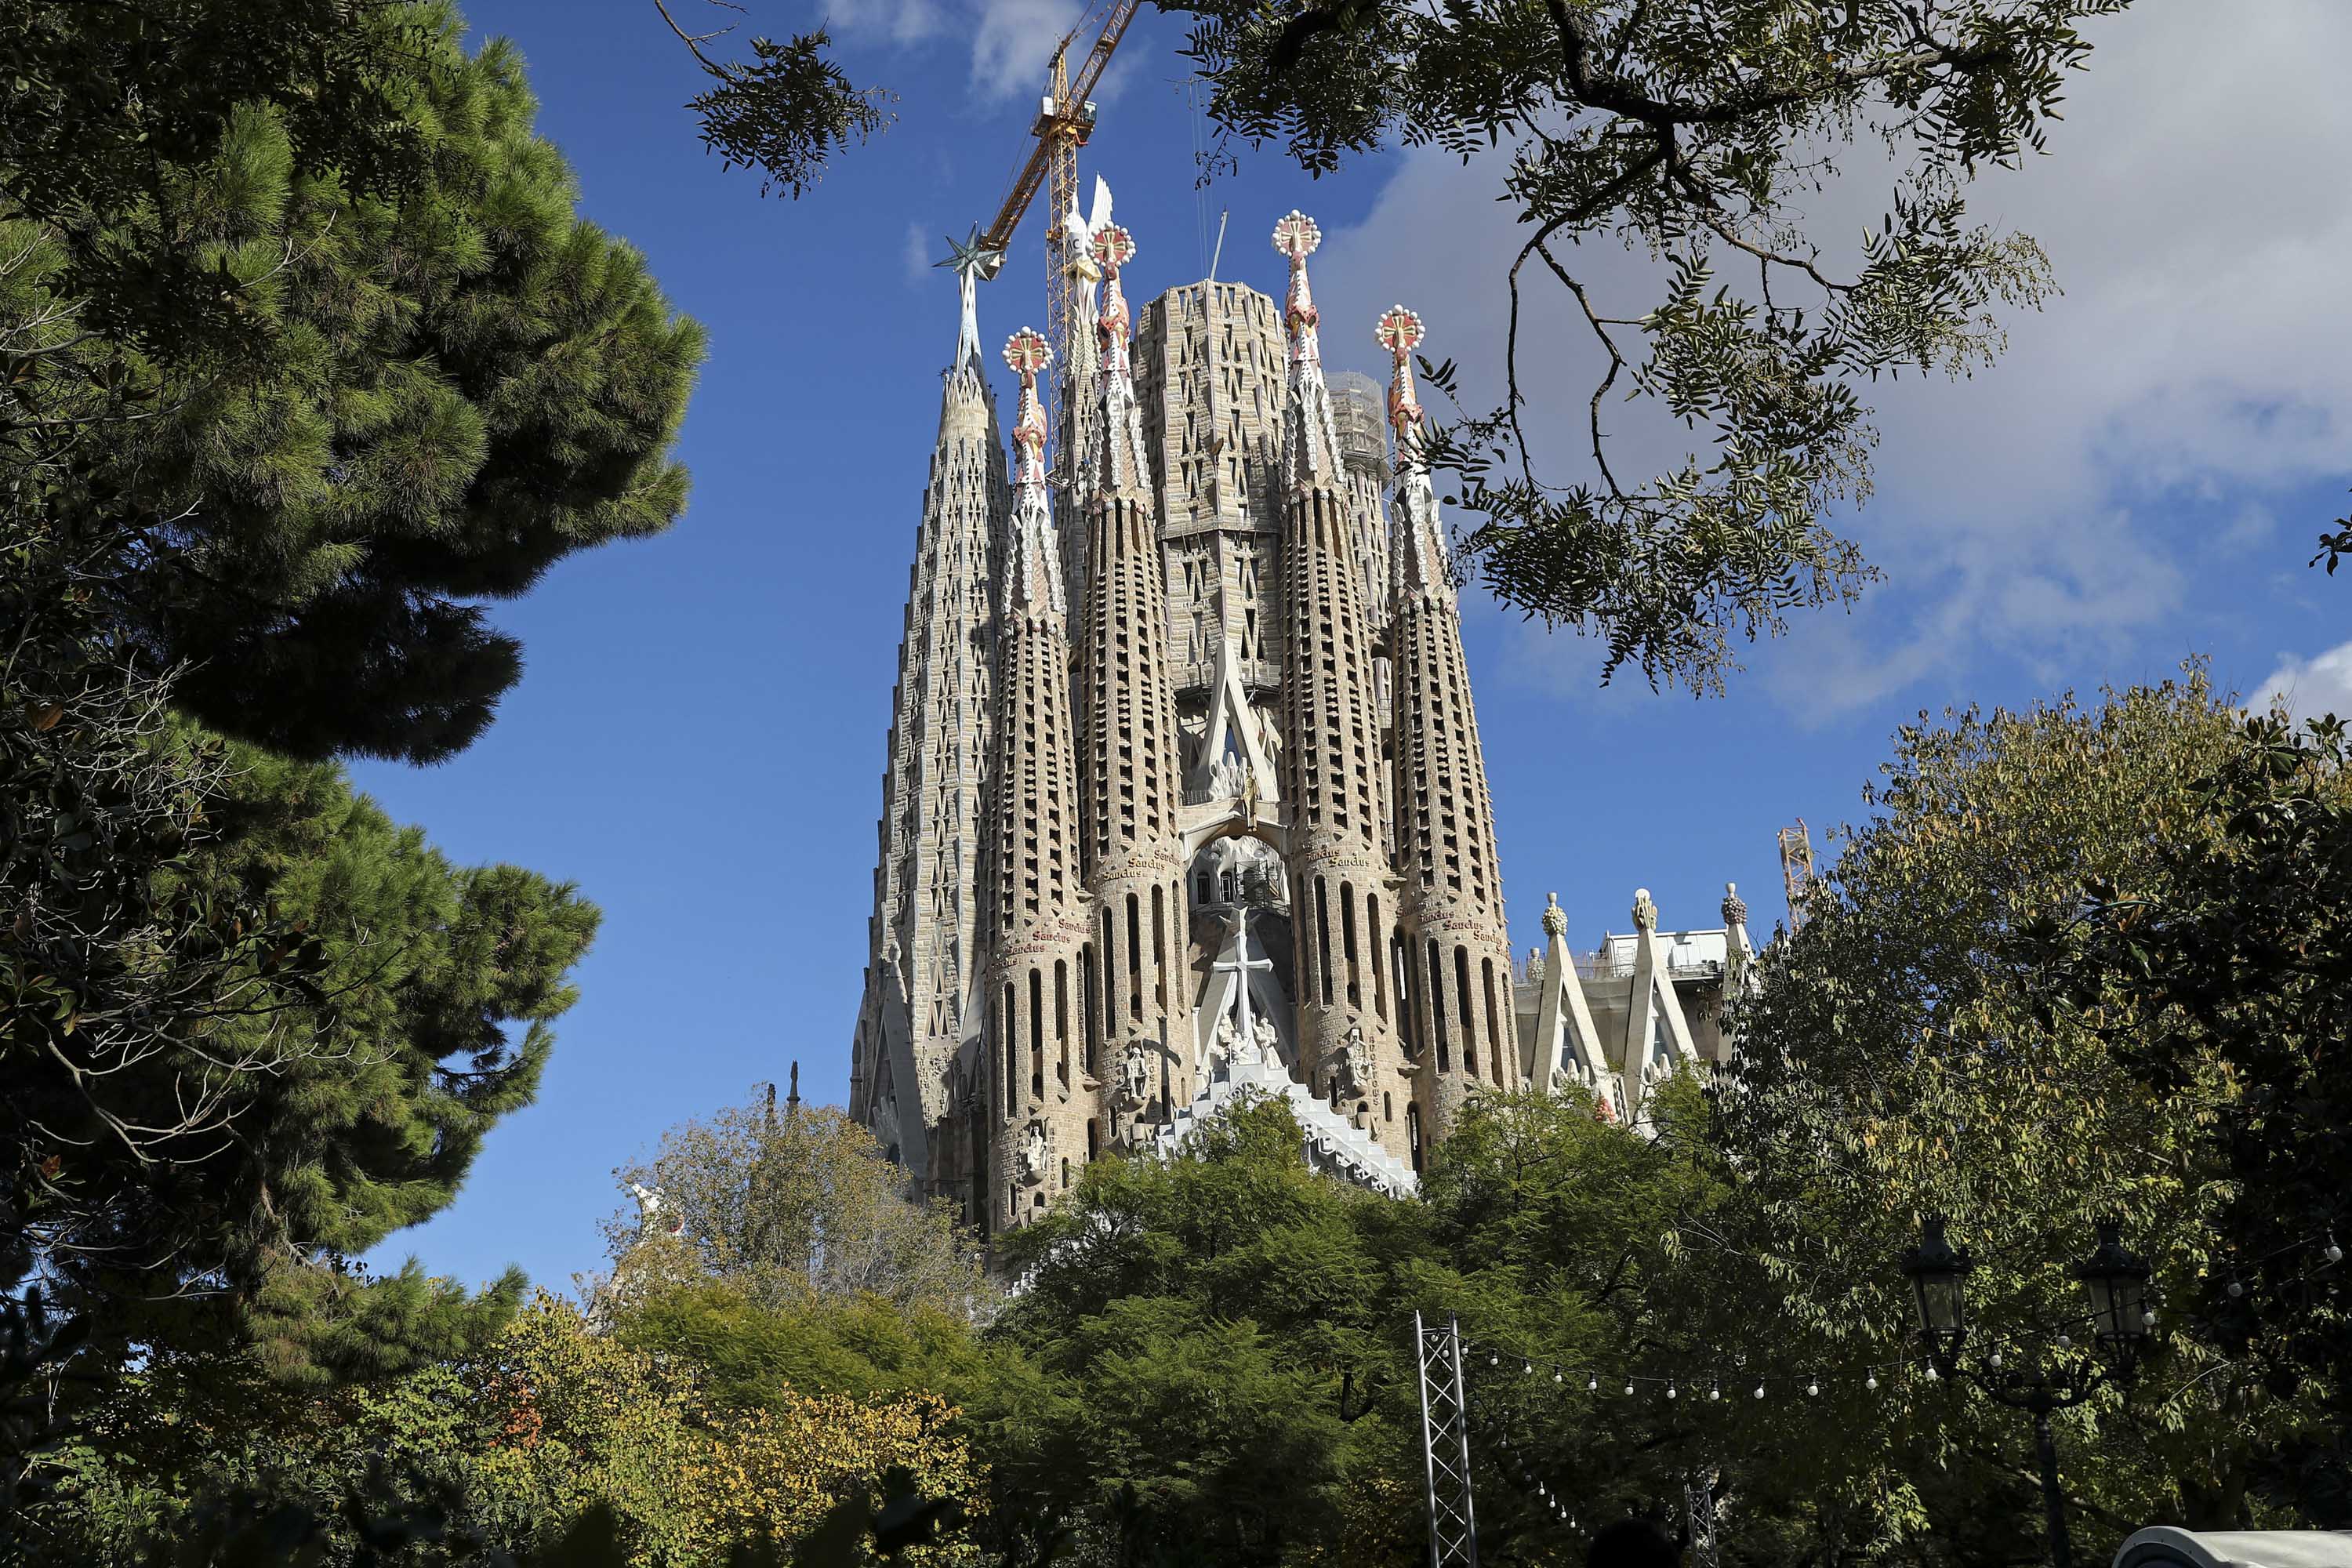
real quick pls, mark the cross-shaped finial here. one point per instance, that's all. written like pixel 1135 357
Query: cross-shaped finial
pixel 1296 236
pixel 1400 330
pixel 1114 247
pixel 1026 352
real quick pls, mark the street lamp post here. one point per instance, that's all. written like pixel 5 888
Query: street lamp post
pixel 2116 1281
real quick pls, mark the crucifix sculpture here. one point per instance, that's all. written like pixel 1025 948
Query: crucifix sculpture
pixel 1238 963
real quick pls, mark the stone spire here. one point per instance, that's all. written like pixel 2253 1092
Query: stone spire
pixel 1033 570
pixel 1039 962
pixel 1342 899
pixel 1421 563
pixel 1445 824
pixel 1310 443
pixel 924 934
pixel 1123 463
pixel 1131 784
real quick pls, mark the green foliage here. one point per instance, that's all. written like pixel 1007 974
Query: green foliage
pixel 318 1117
pixel 1211 1362
pixel 1898 1060
pixel 785 111
pixel 749 1352
pixel 312 320
pixel 1694 134
pixel 550 1444
pixel 2223 969
pixel 789 1208
pixel 2333 547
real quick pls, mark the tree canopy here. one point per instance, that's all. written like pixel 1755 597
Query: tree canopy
pixel 2221 970
pixel 1900 1060
pixel 297 299
pixel 1703 137
pixel 789 1206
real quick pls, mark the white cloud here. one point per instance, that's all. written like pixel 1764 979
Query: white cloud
pixel 917 255
pixel 900 21
pixel 2311 687
pixel 1010 40
pixel 2200 356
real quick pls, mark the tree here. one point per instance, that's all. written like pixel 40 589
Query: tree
pixel 1216 1349
pixel 2226 964
pixel 364 366
pixel 1692 133
pixel 788 1209
pixel 1898 1059
pixel 507 1450
pixel 207 1117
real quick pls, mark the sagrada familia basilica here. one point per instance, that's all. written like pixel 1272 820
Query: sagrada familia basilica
pixel 1184 795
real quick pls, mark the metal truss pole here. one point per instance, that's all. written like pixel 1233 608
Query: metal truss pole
pixel 1698 1513
pixel 1446 1444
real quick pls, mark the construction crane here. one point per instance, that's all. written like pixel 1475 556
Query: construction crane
pixel 1065 120
pixel 1797 868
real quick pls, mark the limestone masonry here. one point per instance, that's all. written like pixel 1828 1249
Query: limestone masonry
pixel 1184 794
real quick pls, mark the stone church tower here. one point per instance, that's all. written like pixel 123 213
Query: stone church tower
pixel 1185 791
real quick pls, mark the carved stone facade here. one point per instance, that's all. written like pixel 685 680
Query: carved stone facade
pixel 1236 818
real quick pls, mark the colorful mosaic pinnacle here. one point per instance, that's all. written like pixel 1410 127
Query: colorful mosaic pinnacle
pixel 1113 247
pixel 1296 236
pixel 1027 352
pixel 1399 333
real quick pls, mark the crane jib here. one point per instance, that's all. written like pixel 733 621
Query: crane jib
pixel 1067 119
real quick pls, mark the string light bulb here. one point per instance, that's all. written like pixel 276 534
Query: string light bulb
pixel 2333 1253
pixel 1993 1361
pixel 2236 1290
pixel 1629 1385
pixel 1593 1383
pixel 1871 1383
pixel 1814 1390
pixel 1526 1367
pixel 1670 1391
pixel 1555 1377
pixel 1713 1393
pixel 1759 1391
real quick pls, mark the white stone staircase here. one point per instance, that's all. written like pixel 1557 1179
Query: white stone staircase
pixel 1333 1144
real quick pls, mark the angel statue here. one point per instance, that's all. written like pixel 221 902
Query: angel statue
pixel 1078 237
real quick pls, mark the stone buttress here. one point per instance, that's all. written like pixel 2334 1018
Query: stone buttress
pixel 1035 1042
pixel 1457 947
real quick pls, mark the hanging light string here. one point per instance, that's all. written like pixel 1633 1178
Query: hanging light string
pixel 1718 1378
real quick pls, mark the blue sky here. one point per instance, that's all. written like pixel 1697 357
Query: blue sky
pixel 698 738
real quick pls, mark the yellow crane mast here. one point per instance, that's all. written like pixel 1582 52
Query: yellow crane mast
pixel 1065 120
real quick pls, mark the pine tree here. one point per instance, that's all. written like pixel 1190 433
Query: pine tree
pixel 375 367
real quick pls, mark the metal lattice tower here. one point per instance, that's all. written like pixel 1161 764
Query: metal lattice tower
pixel 1797 868
pixel 1698 1515
pixel 1446 1444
